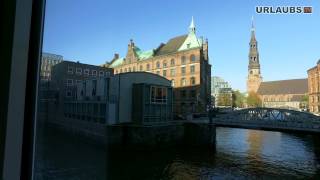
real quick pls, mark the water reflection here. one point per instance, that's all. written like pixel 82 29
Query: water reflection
pixel 239 154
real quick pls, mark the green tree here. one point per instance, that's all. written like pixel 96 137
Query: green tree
pixel 238 99
pixel 304 102
pixel 253 100
pixel 224 99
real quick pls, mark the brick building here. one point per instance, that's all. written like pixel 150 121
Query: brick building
pixel 314 88
pixel 287 94
pixel 183 60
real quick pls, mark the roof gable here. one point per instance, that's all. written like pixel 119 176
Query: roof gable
pixel 190 42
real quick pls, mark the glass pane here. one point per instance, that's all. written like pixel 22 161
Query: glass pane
pixel 106 108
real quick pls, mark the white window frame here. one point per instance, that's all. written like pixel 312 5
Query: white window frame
pixel 86 72
pixel 70 69
pixel 78 72
pixel 94 72
pixel 101 73
pixel 68 83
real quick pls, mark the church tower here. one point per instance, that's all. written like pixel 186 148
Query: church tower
pixel 254 73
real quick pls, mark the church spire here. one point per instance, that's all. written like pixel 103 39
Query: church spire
pixel 192 27
pixel 253 30
pixel 254 73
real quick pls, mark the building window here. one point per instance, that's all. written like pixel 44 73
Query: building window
pixel 148 67
pixel 158 64
pixel 172 62
pixel 101 73
pixel 70 69
pixel 108 73
pixel 164 73
pixel 78 71
pixel 172 82
pixel 94 88
pixel 183 60
pixel 78 81
pixel 141 68
pixel 172 72
pixel 68 93
pixel 129 69
pixel 192 69
pixel 134 69
pixel 164 64
pixel 183 81
pixel 158 95
pixel 86 72
pixel 69 82
pixel 192 80
pixel 183 70
pixel 158 72
pixel 125 70
pixel 120 70
pixel 94 73
pixel 192 58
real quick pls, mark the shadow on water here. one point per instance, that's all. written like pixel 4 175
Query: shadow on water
pixel 238 154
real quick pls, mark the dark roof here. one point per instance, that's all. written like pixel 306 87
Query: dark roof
pixel 172 45
pixel 292 86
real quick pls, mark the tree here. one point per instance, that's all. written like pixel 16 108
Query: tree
pixel 224 99
pixel 238 99
pixel 253 100
pixel 304 102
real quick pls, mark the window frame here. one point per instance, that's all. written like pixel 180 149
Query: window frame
pixel 21 75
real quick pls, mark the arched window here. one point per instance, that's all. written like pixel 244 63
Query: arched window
pixel 148 67
pixel 158 64
pixel 251 72
pixel 164 64
pixel 192 80
pixel 183 81
pixel 172 62
pixel 141 68
pixel 192 58
pixel 183 60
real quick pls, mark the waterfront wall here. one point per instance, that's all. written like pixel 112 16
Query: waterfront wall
pixel 139 136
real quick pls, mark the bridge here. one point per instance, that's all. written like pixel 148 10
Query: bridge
pixel 270 119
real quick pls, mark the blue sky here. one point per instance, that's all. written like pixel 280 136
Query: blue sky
pixel 92 31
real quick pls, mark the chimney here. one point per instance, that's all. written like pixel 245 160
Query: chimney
pixel 116 56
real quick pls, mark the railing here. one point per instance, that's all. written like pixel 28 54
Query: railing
pixel 271 118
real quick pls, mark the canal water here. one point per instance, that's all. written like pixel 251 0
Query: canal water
pixel 238 154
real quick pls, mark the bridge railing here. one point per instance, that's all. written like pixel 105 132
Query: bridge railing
pixel 271 117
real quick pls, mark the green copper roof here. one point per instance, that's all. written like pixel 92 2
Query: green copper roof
pixel 142 55
pixel 116 62
pixel 190 42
